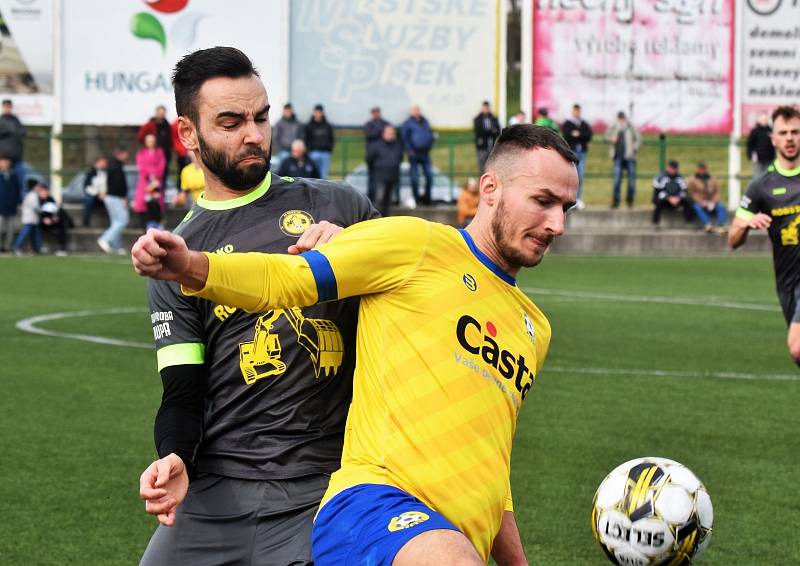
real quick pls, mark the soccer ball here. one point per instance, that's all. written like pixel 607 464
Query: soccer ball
pixel 652 512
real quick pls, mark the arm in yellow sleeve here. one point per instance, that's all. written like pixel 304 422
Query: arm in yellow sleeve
pixel 257 282
pixel 369 257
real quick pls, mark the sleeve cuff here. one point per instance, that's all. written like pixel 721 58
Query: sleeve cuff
pixel 744 214
pixel 181 354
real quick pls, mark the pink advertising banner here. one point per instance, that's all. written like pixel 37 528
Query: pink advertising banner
pixel 668 64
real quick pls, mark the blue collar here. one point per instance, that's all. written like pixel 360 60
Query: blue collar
pixel 484 259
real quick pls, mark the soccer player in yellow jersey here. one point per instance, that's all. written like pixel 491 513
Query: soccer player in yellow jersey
pixel 448 347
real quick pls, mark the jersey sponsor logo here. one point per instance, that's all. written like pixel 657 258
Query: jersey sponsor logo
pixel 226 249
pixel 407 520
pixel 789 234
pixel 745 202
pixel 261 356
pixel 160 321
pixel 295 222
pixel 511 366
pixel 470 282
pixel 779 191
pixel 785 211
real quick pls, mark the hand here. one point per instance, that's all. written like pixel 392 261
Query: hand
pixel 315 235
pixel 575 133
pixel 163 487
pixel 760 221
pixel 161 255
pixel 674 201
pixel 47 221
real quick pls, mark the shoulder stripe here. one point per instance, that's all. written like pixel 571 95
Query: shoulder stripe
pixel 192 353
pixel 327 289
pixel 744 214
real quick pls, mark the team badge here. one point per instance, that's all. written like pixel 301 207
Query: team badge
pixel 407 520
pixel 295 222
pixel 529 329
pixel 470 282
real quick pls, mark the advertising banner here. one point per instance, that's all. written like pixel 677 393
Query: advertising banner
pixel 26 58
pixel 118 56
pixel 443 56
pixel 770 65
pixel 668 64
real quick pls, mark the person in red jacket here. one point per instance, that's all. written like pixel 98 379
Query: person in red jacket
pixel 161 129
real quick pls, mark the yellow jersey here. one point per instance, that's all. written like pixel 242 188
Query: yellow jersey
pixel 447 349
pixel 193 180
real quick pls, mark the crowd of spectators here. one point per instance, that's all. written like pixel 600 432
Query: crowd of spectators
pixel 305 149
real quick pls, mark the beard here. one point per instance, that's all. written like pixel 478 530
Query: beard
pixel 786 156
pixel 513 257
pixel 227 169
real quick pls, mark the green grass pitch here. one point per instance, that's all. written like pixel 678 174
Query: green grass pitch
pixel 682 358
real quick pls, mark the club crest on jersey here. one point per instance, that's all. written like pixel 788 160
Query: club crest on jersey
pixel 407 520
pixel 529 328
pixel 295 222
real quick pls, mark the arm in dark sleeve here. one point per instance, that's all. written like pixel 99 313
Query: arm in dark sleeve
pixel 179 421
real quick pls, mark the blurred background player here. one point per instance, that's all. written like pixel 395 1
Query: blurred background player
pixel 772 203
pixel 407 493
pixel 193 181
pixel 252 417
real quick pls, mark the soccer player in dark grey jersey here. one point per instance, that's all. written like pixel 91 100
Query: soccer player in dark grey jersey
pixel 252 417
pixel 772 203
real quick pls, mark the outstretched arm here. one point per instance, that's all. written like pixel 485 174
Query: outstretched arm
pixel 737 235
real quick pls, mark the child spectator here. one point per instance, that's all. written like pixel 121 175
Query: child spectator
pixel 52 218
pixel 467 202
pixel 9 203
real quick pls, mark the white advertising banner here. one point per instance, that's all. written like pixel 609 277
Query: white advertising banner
pixel 666 63
pixel 770 64
pixel 118 55
pixel 446 57
pixel 26 58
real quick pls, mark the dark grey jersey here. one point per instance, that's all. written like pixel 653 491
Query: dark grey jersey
pixel 777 193
pixel 278 383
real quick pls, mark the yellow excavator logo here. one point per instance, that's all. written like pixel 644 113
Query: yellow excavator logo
pixel 789 235
pixel 321 338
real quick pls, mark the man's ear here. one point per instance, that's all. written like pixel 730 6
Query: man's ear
pixel 187 133
pixel 490 188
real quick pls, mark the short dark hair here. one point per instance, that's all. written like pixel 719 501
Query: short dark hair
pixel 786 112
pixel 196 68
pixel 524 137
pixel 7 101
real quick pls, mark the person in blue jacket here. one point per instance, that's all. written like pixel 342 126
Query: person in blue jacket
pixel 418 139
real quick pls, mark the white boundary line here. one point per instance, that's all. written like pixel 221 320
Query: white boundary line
pixel 30 325
pixel 715 302
pixel 671 373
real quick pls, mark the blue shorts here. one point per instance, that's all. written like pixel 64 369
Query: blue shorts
pixel 369 524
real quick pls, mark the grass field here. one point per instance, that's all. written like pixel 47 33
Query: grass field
pixel 682 358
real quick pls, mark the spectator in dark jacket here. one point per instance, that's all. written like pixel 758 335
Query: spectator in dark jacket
pixel 162 130
pixel 10 199
pixel 670 192
pixel 487 129
pixel 578 133
pixel 384 158
pixel 418 138
pixel 319 140
pixel 373 133
pixel 12 140
pixel 116 203
pixel 759 146
pixel 286 130
pixel 298 164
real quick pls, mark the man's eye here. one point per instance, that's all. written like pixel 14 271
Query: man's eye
pixel 544 201
pixel 262 120
pixel 229 125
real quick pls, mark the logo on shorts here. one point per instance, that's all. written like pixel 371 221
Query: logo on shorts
pixel 295 222
pixel 407 520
